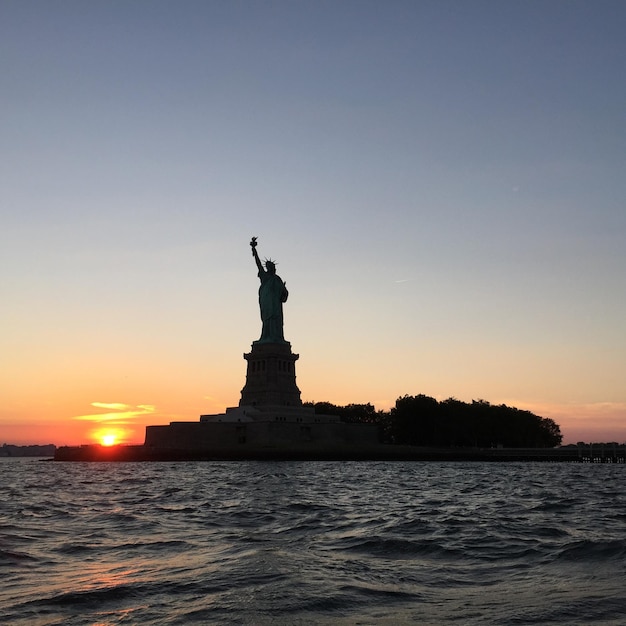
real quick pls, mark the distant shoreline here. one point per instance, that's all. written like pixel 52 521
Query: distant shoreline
pixel 140 453
pixel 12 451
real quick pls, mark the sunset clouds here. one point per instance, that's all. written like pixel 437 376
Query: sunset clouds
pixel 124 413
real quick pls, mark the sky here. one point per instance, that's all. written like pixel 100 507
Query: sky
pixel 441 182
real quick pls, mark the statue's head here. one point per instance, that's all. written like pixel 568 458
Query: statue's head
pixel 270 266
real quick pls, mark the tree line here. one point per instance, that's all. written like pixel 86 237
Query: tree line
pixel 423 421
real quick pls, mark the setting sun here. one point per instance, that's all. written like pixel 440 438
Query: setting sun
pixel 110 435
pixel 108 440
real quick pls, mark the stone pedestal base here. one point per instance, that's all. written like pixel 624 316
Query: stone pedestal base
pixel 271 376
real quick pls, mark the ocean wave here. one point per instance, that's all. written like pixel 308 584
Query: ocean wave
pixel 590 551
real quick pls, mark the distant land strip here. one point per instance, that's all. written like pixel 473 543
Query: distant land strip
pixel 9 450
pixel 122 453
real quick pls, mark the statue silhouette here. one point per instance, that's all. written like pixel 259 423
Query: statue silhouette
pixel 272 293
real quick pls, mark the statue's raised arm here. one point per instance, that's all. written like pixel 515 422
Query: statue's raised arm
pixel 272 294
pixel 255 255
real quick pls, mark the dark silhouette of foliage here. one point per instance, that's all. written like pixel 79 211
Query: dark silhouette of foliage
pixel 356 414
pixel 423 421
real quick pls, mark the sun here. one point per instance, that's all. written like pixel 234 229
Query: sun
pixel 108 439
pixel 109 435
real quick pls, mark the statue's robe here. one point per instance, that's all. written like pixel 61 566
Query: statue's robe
pixel 272 294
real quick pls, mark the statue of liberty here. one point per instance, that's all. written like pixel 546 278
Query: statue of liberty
pixel 272 293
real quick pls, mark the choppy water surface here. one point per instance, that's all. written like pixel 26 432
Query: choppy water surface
pixel 311 543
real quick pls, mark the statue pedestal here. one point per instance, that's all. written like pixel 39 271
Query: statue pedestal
pixel 270 421
pixel 271 376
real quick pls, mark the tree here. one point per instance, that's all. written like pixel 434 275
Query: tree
pixel 414 420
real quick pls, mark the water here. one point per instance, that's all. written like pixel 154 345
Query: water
pixel 311 543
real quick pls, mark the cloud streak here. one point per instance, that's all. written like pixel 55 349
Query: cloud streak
pixel 125 413
pixel 117 406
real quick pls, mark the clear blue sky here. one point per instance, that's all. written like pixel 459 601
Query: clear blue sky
pixel 443 184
